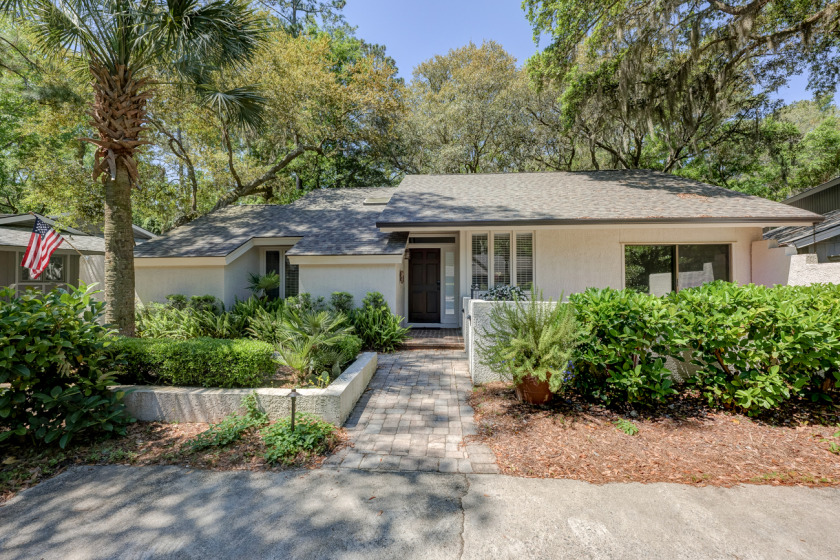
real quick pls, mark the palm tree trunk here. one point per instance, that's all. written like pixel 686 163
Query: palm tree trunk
pixel 119 251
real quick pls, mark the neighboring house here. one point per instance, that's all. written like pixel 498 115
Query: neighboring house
pixel 821 239
pixel 437 238
pixel 66 265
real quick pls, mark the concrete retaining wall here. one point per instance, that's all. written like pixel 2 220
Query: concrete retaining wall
pixel 194 404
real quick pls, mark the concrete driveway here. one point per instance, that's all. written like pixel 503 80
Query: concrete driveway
pixel 170 512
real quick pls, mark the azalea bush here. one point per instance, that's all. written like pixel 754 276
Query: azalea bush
pixel 54 357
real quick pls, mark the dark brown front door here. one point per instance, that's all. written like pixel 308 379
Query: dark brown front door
pixel 424 286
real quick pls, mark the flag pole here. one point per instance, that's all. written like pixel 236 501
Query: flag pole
pixel 65 239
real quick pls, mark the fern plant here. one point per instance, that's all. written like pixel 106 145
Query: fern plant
pixel 531 339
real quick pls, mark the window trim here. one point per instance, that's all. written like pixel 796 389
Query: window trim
pixel 491 255
pixel 676 281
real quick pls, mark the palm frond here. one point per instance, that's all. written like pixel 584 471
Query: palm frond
pixel 242 106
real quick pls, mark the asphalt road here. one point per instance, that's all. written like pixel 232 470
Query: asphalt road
pixel 171 512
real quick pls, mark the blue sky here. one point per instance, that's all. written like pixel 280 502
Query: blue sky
pixel 415 30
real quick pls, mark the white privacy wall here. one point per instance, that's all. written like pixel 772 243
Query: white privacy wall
pixel 357 279
pixel 153 284
pixel 571 260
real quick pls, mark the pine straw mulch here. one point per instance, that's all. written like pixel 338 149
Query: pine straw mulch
pixel 685 442
pixel 147 443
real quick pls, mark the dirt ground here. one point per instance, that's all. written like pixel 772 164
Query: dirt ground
pixel 686 442
pixel 146 443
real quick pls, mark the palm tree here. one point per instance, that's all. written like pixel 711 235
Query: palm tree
pixel 121 46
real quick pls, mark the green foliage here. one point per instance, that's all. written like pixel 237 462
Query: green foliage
pixel 203 316
pixel 505 293
pixel 627 427
pixel 315 342
pixel 197 362
pixel 753 347
pixel 756 347
pixel 311 436
pixel 341 302
pixel 231 428
pixel 54 355
pixel 536 340
pixel 305 303
pixel 379 329
pixel 626 337
pixel 261 284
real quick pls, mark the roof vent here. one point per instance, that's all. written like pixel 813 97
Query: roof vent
pixel 377 200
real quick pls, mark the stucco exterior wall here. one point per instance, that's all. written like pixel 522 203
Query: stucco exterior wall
pixel 771 263
pixel 236 276
pixel 153 284
pixel 571 260
pixel 357 279
pixel 806 270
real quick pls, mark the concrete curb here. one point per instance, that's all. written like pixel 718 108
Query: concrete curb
pixel 195 404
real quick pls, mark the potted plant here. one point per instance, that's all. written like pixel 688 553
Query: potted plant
pixel 531 343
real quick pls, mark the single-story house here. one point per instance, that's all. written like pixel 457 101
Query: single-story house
pixel 66 266
pixel 437 238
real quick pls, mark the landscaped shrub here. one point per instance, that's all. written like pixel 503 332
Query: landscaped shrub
pixel 53 353
pixel 198 362
pixel 379 329
pixel 315 343
pixel 531 340
pixel 341 302
pixel 311 436
pixel 756 347
pixel 505 293
pixel 626 336
pixel 200 316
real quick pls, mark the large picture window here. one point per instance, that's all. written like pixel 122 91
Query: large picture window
pixel 511 260
pixel 659 269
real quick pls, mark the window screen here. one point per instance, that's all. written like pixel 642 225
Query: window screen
pixel 700 264
pixel 272 264
pixel 292 279
pixel 56 271
pixel 525 260
pixel 649 268
pixel 480 254
pixel 501 259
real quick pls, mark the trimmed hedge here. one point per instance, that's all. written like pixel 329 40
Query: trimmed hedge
pixel 197 362
pixel 754 347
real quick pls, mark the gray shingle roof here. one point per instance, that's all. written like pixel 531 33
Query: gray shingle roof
pixel 330 221
pixel 16 237
pixel 625 196
pixel 805 236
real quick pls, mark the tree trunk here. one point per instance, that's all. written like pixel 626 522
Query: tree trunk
pixel 119 251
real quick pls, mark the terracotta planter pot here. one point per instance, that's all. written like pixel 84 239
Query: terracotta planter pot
pixel 532 391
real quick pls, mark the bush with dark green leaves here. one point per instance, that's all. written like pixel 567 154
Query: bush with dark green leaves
pixel 626 336
pixel 197 362
pixel 379 329
pixel 757 347
pixel 753 347
pixel 54 356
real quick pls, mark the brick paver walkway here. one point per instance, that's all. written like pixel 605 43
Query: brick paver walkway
pixel 427 339
pixel 414 416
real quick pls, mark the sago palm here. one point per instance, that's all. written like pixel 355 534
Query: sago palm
pixel 121 45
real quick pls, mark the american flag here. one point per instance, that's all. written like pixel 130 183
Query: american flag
pixel 42 243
